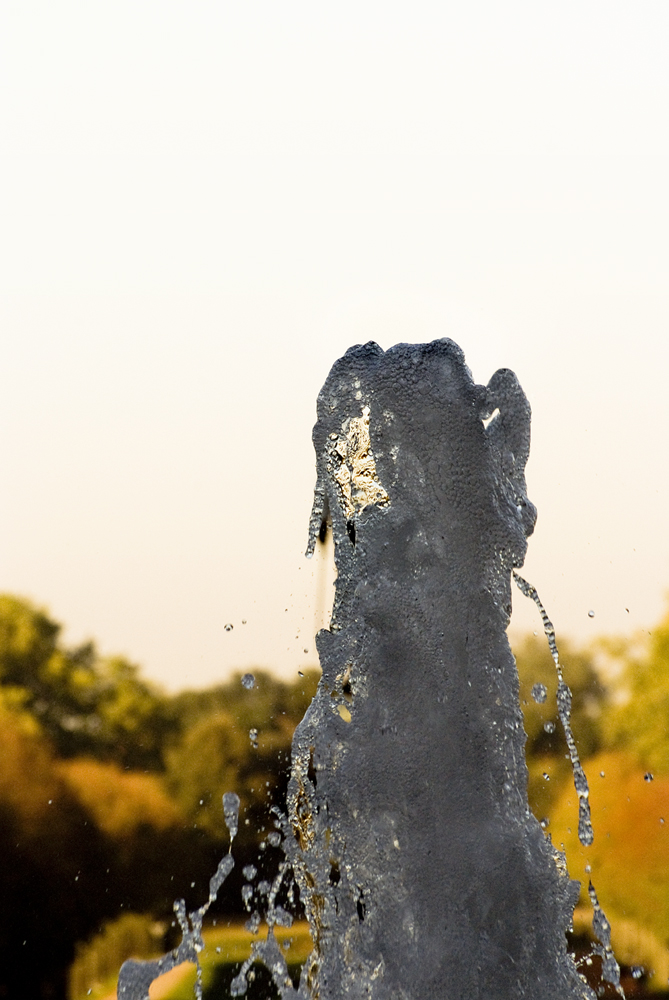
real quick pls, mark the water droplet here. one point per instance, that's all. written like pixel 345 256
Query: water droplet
pixel 249 872
pixel 545 822
pixel 264 887
pixel 274 839
pixel 588 869
pixel 648 776
pixel 637 971
pixel 228 627
pixel 247 893
pixel 248 681
pixel 591 614
pixel 306 650
pixel 231 812
pixel 549 727
pixel 661 819
pixel 546 777
pixel 601 774
pixel 243 621
pixel 300 673
pixel 253 736
pixel 539 692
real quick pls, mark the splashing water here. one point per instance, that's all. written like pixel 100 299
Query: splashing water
pixel 600 925
pixel 585 832
pixel 136 976
pixel 602 931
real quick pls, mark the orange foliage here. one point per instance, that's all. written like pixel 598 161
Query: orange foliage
pixel 629 859
pixel 30 788
pixel 119 801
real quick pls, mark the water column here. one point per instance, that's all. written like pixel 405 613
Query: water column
pixel 422 870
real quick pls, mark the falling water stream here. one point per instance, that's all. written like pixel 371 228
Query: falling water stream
pixel 420 866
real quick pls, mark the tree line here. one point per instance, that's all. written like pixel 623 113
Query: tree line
pixel 111 789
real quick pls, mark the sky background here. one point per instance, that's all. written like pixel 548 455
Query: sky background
pixel 203 205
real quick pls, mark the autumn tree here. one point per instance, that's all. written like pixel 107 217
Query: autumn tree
pixel 85 704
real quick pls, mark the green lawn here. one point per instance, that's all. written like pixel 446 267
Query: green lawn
pixel 226 948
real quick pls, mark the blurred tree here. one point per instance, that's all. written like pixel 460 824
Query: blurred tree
pixel 51 859
pixel 629 858
pixel 86 705
pixel 638 721
pixel 546 746
pixel 236 739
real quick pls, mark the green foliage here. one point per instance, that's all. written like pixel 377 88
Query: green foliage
pixel 216 752
pixel 638 723
pixel 85 704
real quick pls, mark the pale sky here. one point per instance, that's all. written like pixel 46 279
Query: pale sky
pixel 203 205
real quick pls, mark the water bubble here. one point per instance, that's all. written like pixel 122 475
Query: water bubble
pixel 300 673
pixel 306 650
pixel 544 822
pixel 591 614
pixel 588 869
pixel 546 777
pixel 253 736
pixel 601 774
pixel 539 692
pixel 661 819
pixel 228 627
pixel 249 872
pixel 549 727
pixel 648 776
pixel 248 681
pixel 243 621
pixel 637 971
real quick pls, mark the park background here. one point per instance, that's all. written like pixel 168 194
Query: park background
pixel 204 205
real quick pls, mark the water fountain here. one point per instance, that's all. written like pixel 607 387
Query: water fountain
pixel 421 869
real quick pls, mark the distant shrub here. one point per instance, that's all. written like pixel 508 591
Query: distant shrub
pixel 99 959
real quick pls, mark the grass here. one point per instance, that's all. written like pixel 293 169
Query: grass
pixel 227 947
